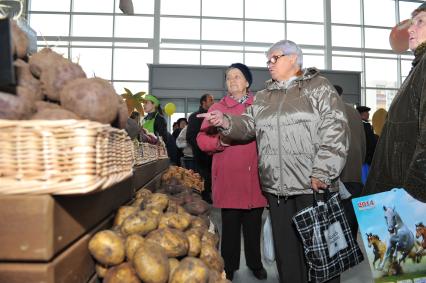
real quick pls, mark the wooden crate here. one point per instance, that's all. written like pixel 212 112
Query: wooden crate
pixel 36 228
pixel 74 265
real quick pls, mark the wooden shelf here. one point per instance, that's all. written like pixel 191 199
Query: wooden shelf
pixel 44 238
pixel 74 265
pixel 37 227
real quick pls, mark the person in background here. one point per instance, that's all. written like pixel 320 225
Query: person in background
pixel 187 160
pixel 351 175
pixel 400 157
pixel 154 122
pixel 133 127
pixel 235 180
pixel 302 135
pixel 371 138
pixel 203 161
pixel 181 123
pixel 175 126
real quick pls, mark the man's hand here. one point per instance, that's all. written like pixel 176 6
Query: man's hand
pixel 317 185
pixel 215 118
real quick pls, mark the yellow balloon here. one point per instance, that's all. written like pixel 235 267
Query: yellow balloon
pixel 170 108
pixel 378 120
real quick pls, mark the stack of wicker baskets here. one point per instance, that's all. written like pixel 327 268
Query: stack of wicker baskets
pixel 150 152
pixel 162 151
pixel 137 152
pixel 62 157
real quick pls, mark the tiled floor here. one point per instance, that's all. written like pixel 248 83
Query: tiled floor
pixel 359 274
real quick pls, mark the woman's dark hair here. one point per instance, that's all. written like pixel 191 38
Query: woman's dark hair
pixel 160 110
pixel 181 119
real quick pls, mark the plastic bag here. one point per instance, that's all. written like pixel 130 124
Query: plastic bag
pixel 328 243
pixel 268 241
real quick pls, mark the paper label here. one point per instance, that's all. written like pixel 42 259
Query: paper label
pixel 336 240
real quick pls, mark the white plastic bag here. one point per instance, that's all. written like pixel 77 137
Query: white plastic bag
pixel 268 241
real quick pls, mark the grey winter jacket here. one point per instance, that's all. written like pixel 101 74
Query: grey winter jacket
pixel 301 132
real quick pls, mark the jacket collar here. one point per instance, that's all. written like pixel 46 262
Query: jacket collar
pixel 307 74
pixel 229 102
pixel 418 53
pixel 151 115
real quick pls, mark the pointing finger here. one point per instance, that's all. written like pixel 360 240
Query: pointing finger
pixel 203 115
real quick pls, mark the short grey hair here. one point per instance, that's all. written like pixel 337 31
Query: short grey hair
pixel 287 47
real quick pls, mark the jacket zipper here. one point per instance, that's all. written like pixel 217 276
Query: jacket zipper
pixel 279 147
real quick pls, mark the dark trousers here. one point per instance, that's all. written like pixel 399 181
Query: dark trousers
pixel 289 255
pixel 206 174
pixel 188 163
pixel 251 221
pixel 355 189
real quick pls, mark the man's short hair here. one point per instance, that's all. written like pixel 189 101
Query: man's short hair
pixel 204 98
pixel 339 89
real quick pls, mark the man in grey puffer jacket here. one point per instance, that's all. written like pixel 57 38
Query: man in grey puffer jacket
pixel 301 129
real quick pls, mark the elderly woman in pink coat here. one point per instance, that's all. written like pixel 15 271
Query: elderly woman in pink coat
pixel 235 181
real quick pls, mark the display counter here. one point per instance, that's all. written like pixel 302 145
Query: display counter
pixel 44 238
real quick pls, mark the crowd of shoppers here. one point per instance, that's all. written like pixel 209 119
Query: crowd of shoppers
pixel 297 136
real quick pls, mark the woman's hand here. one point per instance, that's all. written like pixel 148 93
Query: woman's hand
pixel 215 118
pixel 317 185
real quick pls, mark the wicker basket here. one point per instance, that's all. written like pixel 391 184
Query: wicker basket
pixel 62 157
pixel 137 153
pixel 150 152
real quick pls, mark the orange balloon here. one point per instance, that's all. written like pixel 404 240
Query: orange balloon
pixel 399 36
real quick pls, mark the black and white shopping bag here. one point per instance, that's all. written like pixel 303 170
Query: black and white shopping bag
pixel 328 244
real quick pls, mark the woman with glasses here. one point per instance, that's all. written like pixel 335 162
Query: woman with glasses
pixel 300 126
pixel 235 180
pixel 399 160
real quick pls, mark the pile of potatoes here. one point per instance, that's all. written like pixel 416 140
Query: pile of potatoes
pixel 183 187
pixel 185 177
pixel 155 240
pixel 51 87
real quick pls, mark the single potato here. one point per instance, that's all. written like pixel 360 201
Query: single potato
pixel 107 247
pixel 133 242
pixel 151 263
pixel 190 269
pixel 174 242
pixel 123 273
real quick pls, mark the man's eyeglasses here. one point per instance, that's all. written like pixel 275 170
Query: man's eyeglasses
pixel 274 59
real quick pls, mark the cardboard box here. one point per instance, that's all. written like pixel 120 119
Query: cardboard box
pixel 74 265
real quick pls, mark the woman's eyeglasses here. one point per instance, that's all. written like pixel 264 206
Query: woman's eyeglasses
pixel 274 59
